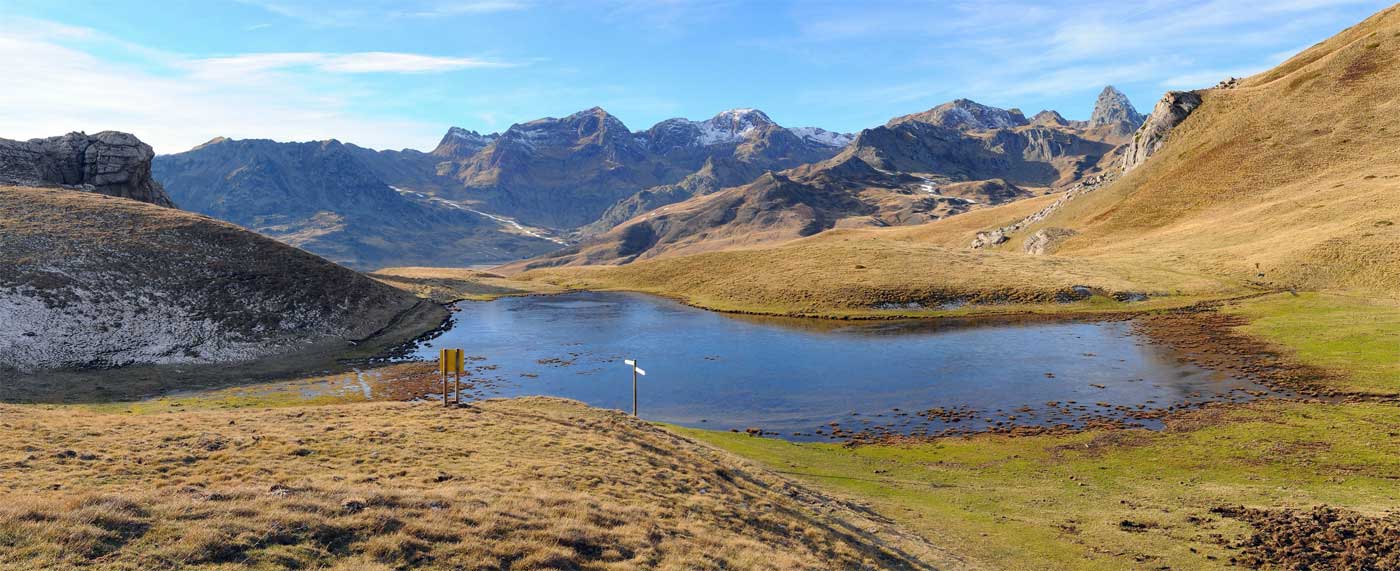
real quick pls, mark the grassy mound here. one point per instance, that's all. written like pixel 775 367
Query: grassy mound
pixel 522 484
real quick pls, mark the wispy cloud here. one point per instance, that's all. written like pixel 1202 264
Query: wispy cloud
pixel 346 13
pixel 1004 50
pixel 72 82
pixel 361 62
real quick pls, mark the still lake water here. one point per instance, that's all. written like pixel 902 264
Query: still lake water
pixel 710 370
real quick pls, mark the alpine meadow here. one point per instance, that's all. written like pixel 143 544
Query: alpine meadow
pixel 997 285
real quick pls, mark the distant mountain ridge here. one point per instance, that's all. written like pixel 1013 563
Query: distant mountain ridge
pixel 327 198
pixel 949 159
pixel 567 172
pixel 553 180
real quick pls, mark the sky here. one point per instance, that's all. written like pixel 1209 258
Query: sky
pixel 397 73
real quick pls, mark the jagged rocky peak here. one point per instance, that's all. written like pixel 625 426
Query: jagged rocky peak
pixel 594 120
pixel 967 115
pixel 459 142
pixel 735 123
pixel 110 163
pixel 1049 117
pixel 1114 109
pixel 730 126
pixel 594 125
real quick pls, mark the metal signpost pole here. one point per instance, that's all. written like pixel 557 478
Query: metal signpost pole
pixel 635 372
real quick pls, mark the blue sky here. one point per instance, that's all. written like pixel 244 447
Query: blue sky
pixel 395 74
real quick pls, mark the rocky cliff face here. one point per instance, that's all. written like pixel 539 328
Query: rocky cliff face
pixel 110 163
pixel 1174 107
pixel 1114 111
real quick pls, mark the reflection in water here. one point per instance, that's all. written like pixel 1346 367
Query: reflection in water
pixel 791 375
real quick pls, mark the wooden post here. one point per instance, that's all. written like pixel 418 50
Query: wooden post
pixel 457 390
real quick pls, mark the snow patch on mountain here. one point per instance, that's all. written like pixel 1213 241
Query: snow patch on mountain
pixel 823 137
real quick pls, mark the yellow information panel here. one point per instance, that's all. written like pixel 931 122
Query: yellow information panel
pixel 451 361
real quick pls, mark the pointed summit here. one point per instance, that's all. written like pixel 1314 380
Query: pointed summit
pixel 1113 109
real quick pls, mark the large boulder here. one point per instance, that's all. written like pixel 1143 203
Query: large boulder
pixel 1174 107
pixel 110 163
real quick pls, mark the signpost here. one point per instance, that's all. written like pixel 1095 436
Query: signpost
pixel 451 361
pixel 635 371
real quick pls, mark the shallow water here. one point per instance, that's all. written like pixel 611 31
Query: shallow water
pixel 789 376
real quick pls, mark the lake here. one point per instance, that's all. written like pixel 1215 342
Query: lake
pixel 795 377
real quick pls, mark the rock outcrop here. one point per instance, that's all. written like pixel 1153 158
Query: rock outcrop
pixel 1174 107
pixel 1045 240
pixel 989 238
pixel 110 163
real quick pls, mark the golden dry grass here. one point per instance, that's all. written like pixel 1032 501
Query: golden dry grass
pixel 445 285
pixel 849 274
pixel 1295 173
pixel 521 484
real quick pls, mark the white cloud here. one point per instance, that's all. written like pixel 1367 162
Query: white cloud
pixel 361 62
pixel 345 13
pixel 58 82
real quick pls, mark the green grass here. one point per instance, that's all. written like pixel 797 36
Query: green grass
pixel 1060 501
pixel 1354 335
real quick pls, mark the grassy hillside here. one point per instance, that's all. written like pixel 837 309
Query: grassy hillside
pixel 1293 174
pixel 525 484
pixel 850 272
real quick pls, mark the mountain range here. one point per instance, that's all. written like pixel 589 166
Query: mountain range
pixel 478 198
pixel 546 184
pixel 955 157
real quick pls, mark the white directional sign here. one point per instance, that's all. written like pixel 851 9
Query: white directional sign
pixel 635 372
